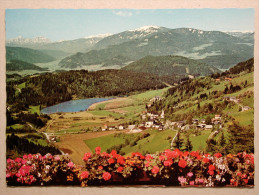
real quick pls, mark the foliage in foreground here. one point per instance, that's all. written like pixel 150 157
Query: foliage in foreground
pixel 173 168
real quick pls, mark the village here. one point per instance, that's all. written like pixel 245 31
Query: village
pixel 157 121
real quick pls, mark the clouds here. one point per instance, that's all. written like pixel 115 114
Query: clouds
pixel 123 13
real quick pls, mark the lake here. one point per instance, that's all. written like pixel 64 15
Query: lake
pixel 73 105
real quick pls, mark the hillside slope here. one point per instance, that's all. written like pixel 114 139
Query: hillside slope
pixel 27 55
pixel 18 65
pixel 167 65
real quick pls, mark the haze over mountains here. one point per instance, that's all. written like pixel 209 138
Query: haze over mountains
pixel 214 48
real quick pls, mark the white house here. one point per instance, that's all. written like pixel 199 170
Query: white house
pixel 130 127
pixel 208 127
pixel 149 124
pixel 121 127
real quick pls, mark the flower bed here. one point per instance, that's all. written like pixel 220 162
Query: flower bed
pixel 170 168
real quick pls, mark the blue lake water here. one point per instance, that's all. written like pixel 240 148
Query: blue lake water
pixel 73 105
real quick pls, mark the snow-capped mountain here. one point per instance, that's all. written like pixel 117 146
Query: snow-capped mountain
pixel 100 36
pixel 213 47
pixel 139 33
pixel 21 40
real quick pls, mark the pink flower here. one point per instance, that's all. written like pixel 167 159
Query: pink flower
pixel 182 179
pixel 70 164
pixel 106 176
pixel 8 174
pixel 190 174
pixel 200 180
pixel 18 160
pixel 244 176
pixel 149 157
pixel 24 162
pixel 9 160
pixel 24 156
pixel 84 175
pixel 147 164
pixel 155 170
pixel 57 158
pixel 29 156
pixel 191 183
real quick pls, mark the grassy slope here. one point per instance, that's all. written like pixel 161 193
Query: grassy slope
pixel 157 141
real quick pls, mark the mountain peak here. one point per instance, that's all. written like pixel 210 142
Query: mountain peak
pixel 98 36
pixel 21 40
pixel 149 28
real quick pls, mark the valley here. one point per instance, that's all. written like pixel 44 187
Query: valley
pixel 158 96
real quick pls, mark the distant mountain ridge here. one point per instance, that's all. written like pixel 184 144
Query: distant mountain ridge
pixel 219 49
pixel 168 65
pixel 212 47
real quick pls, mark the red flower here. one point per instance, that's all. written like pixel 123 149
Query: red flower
pixel 120 169
pixel 239 174
pixel 98 150
pixel 121 160
pixel 155 170
pixel 211 172
pixel 100 168
pixel 217 155
pixel 106 176
pixel 205 160
pixel 246 181
pixel 87 156
pixel 161 158
pixel 211 168
pixel 84 175
pixel 186 153
pixel 111 161
pixel 168 163
pixel 182 163
pixel 244 176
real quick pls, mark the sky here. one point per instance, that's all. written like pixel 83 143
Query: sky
pixel 69 24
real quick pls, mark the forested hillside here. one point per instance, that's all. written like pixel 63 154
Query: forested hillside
pixel 18 65
pixel 52 88
pixel 167 65
pixel 27 55
pixel 229 95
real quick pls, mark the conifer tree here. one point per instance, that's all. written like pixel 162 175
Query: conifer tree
pixel 188 145
pixel 240 138
pixel 178 142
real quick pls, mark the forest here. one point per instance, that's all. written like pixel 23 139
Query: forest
pixel 51 88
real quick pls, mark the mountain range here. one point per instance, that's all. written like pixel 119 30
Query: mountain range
pixel 219 49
